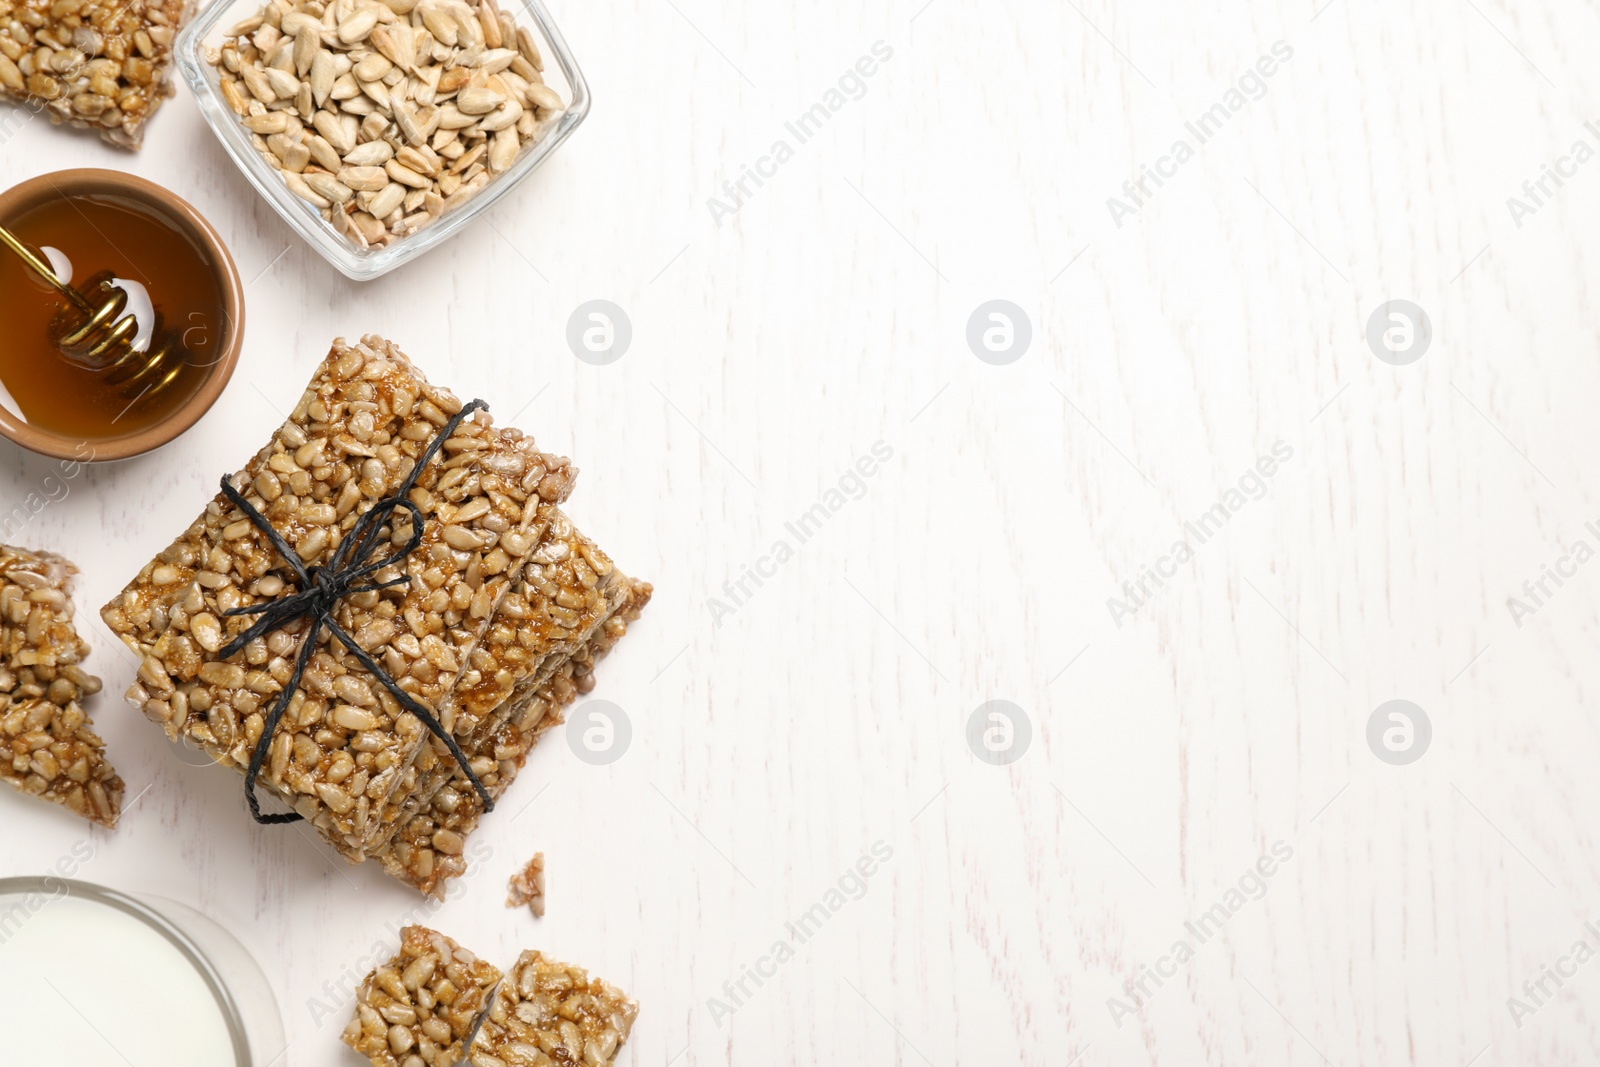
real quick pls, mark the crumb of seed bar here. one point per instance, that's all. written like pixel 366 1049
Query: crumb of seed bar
pixel 346 747
pixel 419 1008
pixel 102 65
pixel 428 850
pixel 548 1013
pixel 527 887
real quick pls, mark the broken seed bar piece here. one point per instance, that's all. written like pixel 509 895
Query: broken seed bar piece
pixel 48 747
pixel 345 744
pixel 527 887
pixel 547 1013
pixel 36 626
pixel 102 65
pixel 421 1006
pixel 428 850
pixel 50 751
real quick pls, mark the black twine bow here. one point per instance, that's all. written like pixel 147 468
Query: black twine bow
pixel 321 589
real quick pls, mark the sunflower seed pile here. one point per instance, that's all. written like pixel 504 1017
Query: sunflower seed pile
pixel 386 116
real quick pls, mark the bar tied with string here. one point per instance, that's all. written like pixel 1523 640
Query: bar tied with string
pixel 368 607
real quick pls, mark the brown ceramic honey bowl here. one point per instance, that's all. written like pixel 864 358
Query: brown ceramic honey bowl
pixel 143 337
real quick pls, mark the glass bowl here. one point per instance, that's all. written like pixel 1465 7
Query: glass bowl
pixel 207 30
pixel 104 978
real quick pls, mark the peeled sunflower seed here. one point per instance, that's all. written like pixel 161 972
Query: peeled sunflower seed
pixel 406 176
pixel 323 152
pixel 356 26
pixel 529 48
pixel 255 79
pixel 503 150
pixel 307 46
pixel 366 179
pixel 489 23
pixel 372 154
pixel 385 202
pixel 505 115
pixel 321 77
pixel 328 124
pixel 373 126
pixel 439 23
pixel 268 123
pixel 422 160
pixel 545 97
pixel 298 186
pixel 452 80
pixel 477 101
pixel 398 45
pixel 377 92
pixel 360 106
pixel 451 117
pixel 329 188
pixel 495 60
pixel 373 67
pixel 296 23
pixel 469 158
pixel 284 84
pixel 344 87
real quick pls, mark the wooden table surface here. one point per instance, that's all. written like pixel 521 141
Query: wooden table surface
pixel 1177 844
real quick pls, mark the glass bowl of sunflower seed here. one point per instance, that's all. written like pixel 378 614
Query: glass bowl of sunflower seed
pixel 379 128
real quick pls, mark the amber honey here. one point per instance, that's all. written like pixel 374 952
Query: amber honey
pixel 134 241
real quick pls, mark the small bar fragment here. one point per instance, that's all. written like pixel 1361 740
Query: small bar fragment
pixel 101 65
pixel 48 747
pixel 547 1012
pixel 420 1008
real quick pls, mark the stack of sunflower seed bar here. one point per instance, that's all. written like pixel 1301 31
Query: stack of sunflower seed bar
pixel 48 748
pixel 504 613
pixel 435 1003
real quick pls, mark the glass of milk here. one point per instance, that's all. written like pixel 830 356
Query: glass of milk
pixel 97 978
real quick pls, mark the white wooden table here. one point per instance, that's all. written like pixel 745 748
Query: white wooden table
pixel 1173 743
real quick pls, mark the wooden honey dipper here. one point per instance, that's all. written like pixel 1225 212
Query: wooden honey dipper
pixel 91 330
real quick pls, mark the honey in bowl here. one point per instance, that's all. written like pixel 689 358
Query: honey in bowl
pixel 169 281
